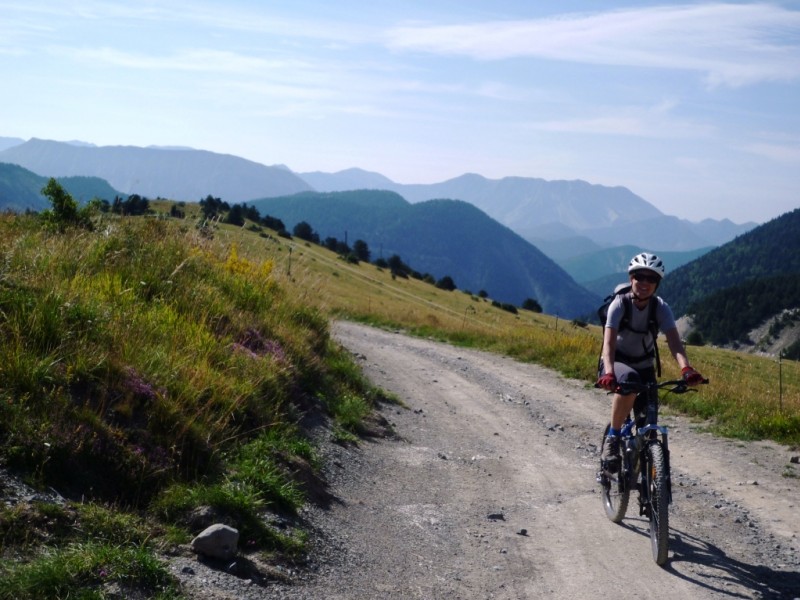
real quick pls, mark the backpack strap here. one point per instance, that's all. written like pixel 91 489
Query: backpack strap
pixel 652 324
pixel 627 305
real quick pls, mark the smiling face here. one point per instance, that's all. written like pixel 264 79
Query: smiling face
pixel 644 283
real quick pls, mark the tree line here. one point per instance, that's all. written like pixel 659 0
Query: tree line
pixel 729 315
pixel 66 210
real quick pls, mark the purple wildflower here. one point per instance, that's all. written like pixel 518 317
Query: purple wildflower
pixel 237 347
pixel 255 343
pixel 137 386
pixel 274 349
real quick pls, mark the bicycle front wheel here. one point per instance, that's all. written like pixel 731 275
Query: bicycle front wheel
pixel 615 490
pixel 658 492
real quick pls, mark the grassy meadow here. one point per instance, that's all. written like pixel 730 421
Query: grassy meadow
pixel 151 370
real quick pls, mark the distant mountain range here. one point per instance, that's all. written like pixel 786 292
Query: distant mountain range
pixel 176 174
pixel 562 218
pixel 440 237
pixel 8 142
pixel 600 270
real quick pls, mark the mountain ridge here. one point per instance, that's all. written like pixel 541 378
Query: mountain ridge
pixel 548 212
pixel 21 189
pixel 442 237
pixel 770 250
pixel 173 173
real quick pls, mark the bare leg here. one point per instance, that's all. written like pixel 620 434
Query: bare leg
pixel 620 408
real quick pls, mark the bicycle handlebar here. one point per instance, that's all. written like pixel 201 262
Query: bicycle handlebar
pixel 679 386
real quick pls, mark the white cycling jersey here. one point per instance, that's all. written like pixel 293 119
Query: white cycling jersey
pixel 635 343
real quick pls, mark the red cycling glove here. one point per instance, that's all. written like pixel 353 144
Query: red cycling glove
pixel 607 382
pixel 691 376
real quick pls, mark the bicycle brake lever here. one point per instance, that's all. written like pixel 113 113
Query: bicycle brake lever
pixel 684 387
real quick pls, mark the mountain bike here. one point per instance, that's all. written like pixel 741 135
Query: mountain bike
pixel 644 464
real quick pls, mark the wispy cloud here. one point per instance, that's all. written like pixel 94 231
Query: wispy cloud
pixel 789 154
pixel 653 122
pixel 186 60
pixel 732 44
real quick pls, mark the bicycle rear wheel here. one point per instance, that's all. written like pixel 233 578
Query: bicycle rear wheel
pixel 615 490
pixel 658 490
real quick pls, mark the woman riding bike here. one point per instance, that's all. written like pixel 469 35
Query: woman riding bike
pixel 629 345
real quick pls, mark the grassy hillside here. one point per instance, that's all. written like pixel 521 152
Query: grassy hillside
pixel 152 372
pixel 148 374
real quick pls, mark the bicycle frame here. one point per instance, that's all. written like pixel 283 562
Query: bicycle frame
pixel 645 465
pixel 636 435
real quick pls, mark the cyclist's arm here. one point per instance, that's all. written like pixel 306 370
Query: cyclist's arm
pixel 676 347
pixel 609 349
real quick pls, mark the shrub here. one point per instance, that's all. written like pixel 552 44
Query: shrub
pixel 446 283
pixel 65 212
pixel 695 338
pixel 532 305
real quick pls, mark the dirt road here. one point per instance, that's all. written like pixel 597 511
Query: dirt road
pixel 489 492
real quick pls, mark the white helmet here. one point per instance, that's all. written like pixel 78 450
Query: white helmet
pixel 647 262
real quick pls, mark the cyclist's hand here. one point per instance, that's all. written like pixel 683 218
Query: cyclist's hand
pixel 607 382
pixel 691 376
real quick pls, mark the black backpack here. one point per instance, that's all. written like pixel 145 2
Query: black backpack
pixel 625 323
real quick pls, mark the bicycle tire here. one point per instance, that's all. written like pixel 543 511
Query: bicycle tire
pixel 657 485
pixel 615 492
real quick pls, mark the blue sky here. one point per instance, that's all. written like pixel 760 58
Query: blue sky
pixel 695 106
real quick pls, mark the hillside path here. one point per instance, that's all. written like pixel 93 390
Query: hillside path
pixel 489 492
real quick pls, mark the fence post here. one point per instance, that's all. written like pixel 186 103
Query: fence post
pixel 780 380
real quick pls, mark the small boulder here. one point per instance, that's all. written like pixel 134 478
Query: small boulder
pixel 217 541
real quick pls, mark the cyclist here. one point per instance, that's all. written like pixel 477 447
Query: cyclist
pixel 629 348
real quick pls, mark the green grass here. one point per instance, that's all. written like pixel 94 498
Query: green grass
pixel 148 370
pixel 76 551
pixel 83 571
